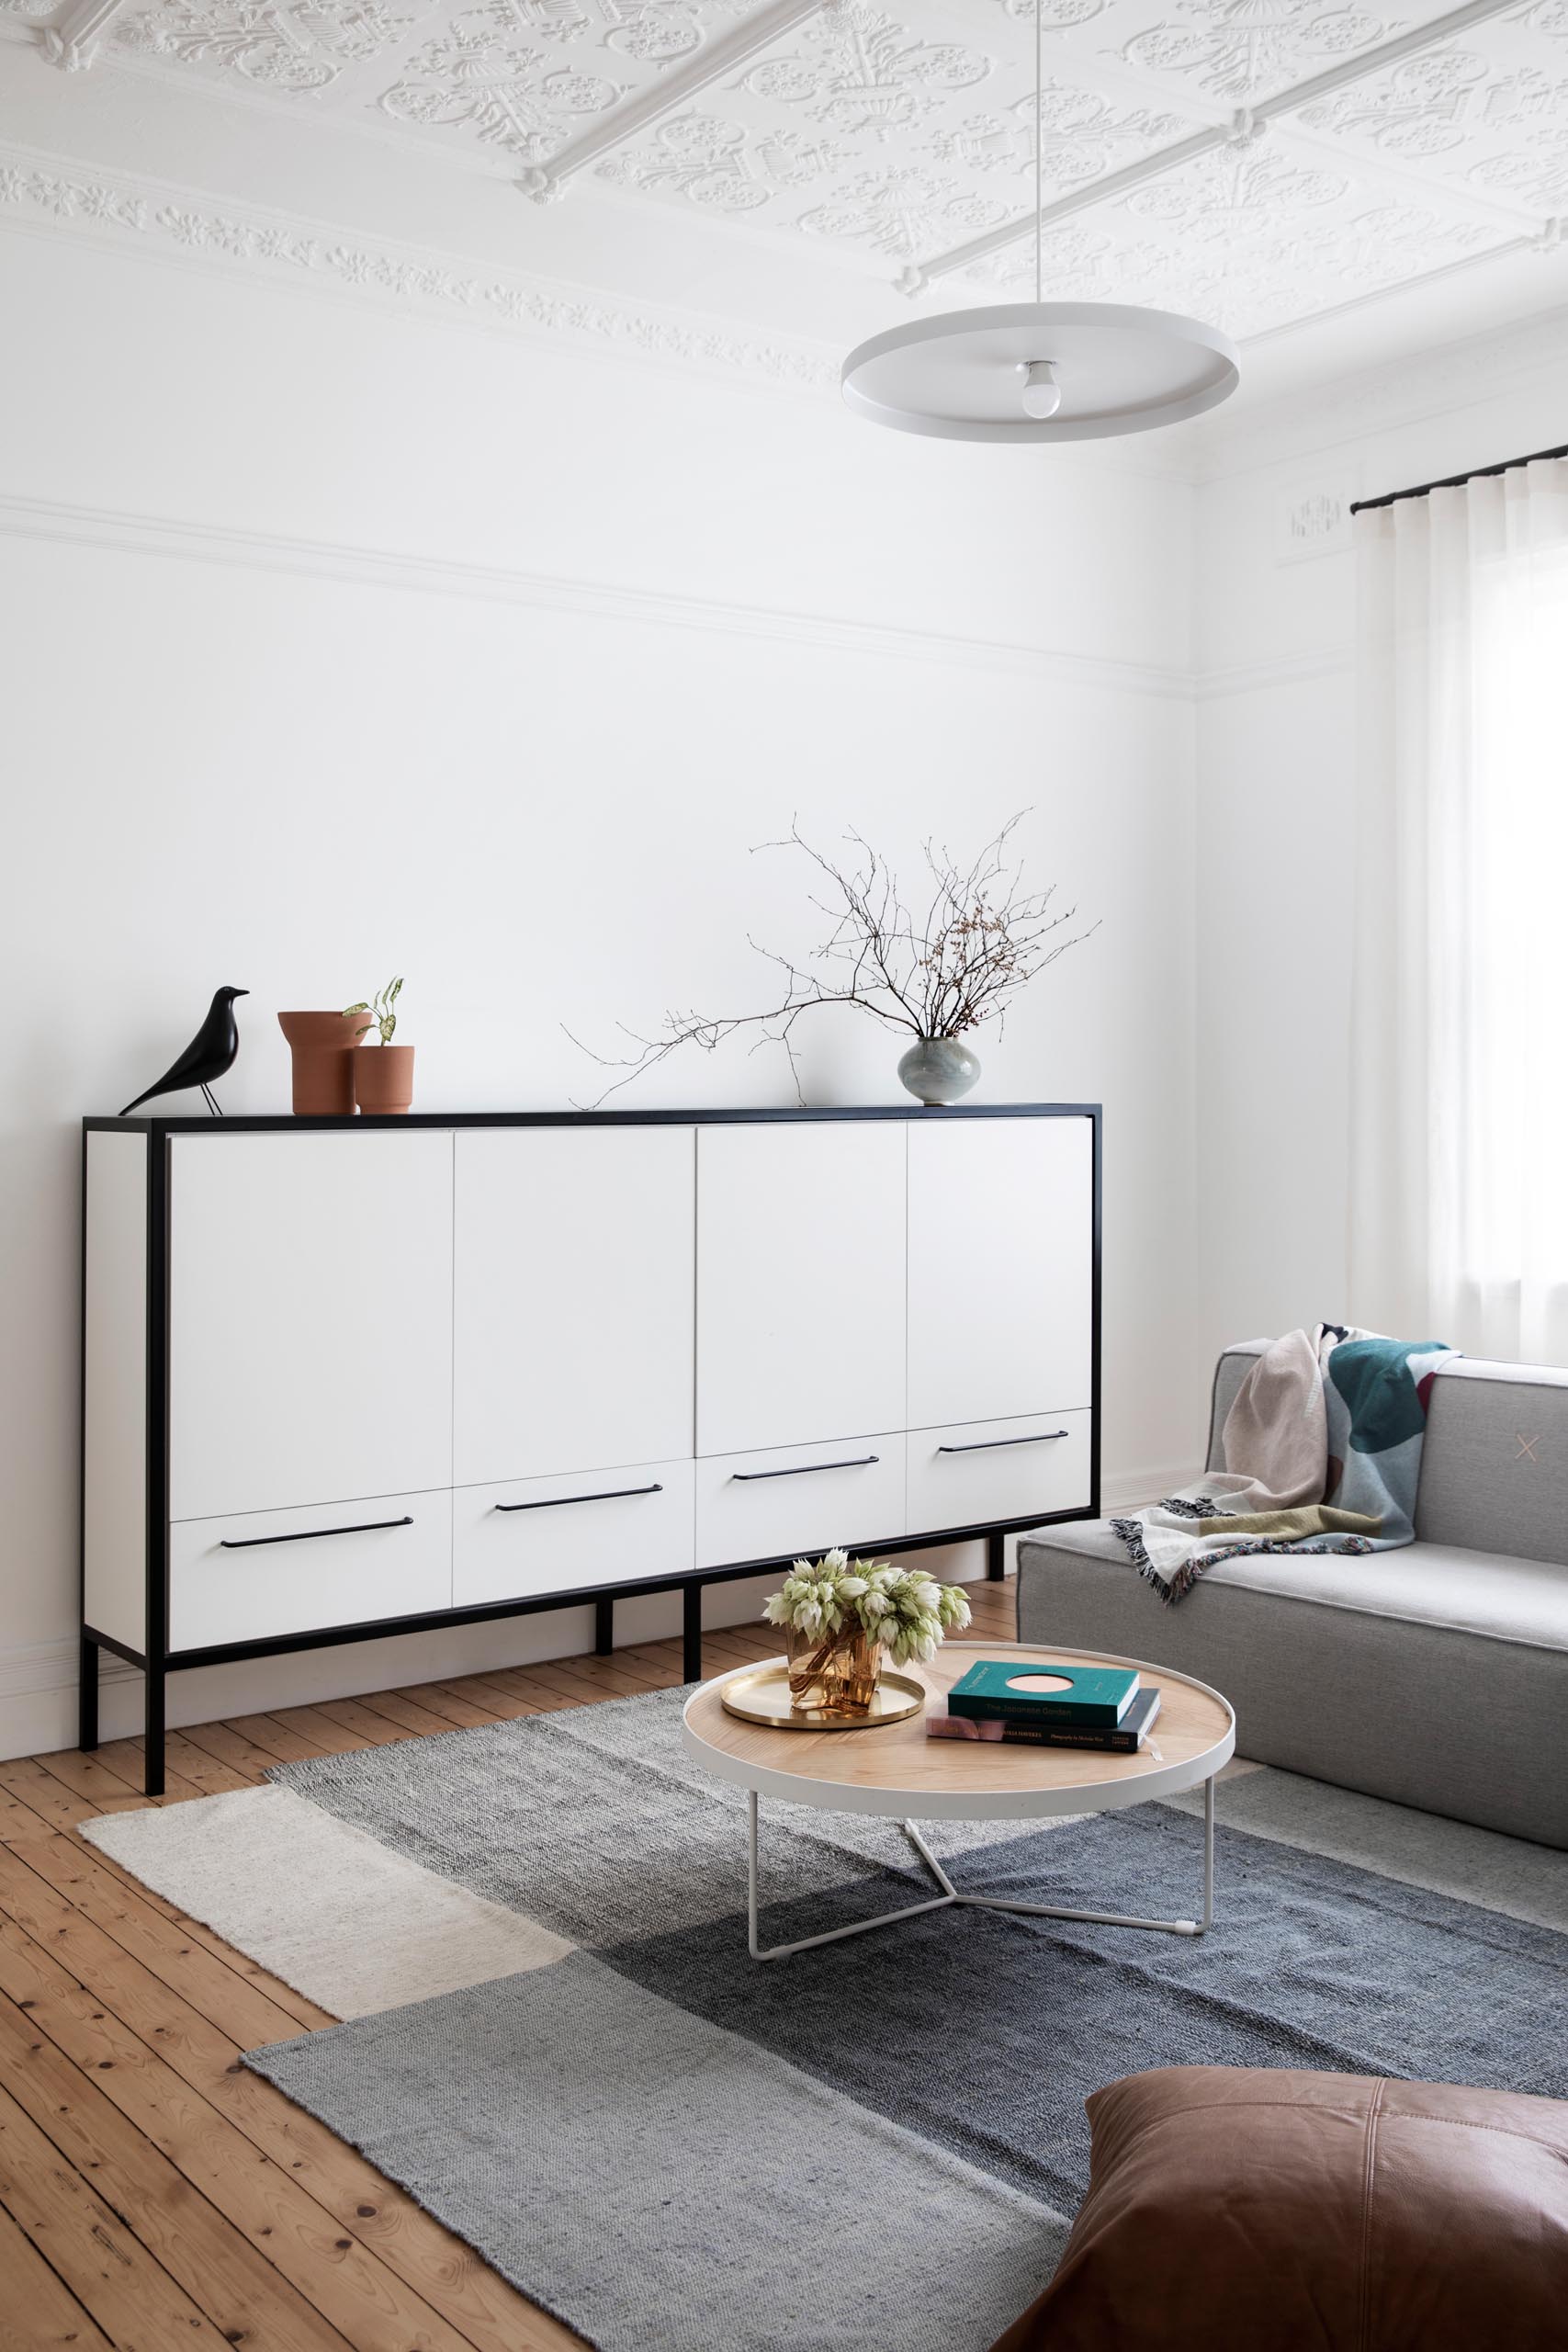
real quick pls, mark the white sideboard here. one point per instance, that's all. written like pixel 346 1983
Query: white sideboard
pixel 345 1377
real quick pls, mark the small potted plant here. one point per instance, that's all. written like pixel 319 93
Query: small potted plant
pixel 383 1073
pixel 845 1618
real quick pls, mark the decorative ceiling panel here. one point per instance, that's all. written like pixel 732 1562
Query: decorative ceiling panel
pixel 1487 113
pixel 888 136
pixel 1243 50
pixel 1247 239
pixel 896 147
pixel 1224 53
pixel 517 77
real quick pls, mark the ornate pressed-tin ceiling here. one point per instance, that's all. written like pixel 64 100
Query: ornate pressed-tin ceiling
pixel 1256 161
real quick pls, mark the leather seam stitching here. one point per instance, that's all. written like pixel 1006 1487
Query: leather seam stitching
pixel 1237 2105
pixel 1295 2106
pixel 1368 2172
pixel 1470 2123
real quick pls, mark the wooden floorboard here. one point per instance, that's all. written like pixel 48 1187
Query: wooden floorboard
pixel 153 2192
pixel 39 2311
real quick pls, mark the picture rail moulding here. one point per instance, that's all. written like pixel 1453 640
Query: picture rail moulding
pixel 122 531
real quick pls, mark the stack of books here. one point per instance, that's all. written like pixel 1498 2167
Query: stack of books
pixel 1105 1707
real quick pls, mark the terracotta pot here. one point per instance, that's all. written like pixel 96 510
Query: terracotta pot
pixel 322 1047
pixel 383 1077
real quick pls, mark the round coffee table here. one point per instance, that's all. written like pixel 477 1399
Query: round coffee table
pixel 893 1769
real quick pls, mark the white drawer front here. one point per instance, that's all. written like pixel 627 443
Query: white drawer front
pixel 246 1579
pixel 799 1498
pixel 981 1470
pixel 553 1534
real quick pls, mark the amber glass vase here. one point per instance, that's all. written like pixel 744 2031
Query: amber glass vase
pixel 835 1673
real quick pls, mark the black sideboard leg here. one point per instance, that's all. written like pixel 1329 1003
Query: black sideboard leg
pixel 692 1634
pixel 603 1624
pixel 996 1557
pixel 88 1694
pixel 152 1775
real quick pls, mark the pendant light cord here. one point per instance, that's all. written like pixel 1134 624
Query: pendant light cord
pixel 1039 152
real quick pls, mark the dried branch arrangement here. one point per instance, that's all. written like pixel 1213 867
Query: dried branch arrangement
pixel 981 937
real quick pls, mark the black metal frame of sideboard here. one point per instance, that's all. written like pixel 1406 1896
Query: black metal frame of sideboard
pixel 157 1660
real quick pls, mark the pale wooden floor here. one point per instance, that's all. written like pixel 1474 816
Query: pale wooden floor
pixel 152 2192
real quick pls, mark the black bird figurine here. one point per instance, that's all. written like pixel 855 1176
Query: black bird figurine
pixel 209 1053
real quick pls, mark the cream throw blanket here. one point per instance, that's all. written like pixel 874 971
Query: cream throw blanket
pixel 1323 1453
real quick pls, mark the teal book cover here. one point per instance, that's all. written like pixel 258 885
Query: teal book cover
pixel 1045 1692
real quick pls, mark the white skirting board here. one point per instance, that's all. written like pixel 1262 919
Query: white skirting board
pixel 37 1681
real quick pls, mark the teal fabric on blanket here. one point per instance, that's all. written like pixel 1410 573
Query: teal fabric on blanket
pixel 1376 1393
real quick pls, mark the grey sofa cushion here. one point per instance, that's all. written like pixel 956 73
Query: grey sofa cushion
pixel 1495 1465
pixel 1444 1717
pixel 1491 1594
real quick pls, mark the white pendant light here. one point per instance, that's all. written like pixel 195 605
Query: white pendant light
pixel 1041 371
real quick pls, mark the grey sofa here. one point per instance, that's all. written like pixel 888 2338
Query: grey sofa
pixel 1436 1675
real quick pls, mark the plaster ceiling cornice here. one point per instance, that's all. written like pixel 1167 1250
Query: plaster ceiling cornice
pixel 1439 382
pixel 179 223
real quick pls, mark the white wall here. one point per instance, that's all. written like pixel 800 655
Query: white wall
pixel 1275 840
pixel 340 641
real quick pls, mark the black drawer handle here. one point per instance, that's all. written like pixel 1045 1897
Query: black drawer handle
pixel 560 1502
pixel 984 1444
pixel 307 1535
pixel 804 1469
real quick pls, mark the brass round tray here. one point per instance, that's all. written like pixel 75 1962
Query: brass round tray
pixel 762 1696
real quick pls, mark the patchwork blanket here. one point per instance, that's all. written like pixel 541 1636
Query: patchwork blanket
pixel 1322 1452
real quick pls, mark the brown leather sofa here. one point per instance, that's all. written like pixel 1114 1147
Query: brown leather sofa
pixel 1249 2209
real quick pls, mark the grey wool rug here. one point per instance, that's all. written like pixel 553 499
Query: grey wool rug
pixel 556 2040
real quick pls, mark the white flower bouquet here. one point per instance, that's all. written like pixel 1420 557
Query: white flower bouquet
pixel 842 1616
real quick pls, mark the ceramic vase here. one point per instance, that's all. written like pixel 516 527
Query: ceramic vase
pixel 834 1673
pixel 383 1079
pixel 939 1069
pixel 323 1047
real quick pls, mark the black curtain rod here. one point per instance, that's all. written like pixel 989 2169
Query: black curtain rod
pixel 1456 482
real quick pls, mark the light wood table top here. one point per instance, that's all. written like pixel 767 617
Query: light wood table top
pixel 893 1769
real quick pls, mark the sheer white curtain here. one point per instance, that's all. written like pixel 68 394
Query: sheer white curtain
pixel 1459 1205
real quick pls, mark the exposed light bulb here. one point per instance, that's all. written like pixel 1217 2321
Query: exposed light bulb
pixel 1042 393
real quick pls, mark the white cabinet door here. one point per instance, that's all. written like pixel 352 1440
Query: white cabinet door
pixel 1000 1267
pixel 573 1320
pixel 266 1573
pixel 556 1534
pixel 311 1319
pixel 800 1282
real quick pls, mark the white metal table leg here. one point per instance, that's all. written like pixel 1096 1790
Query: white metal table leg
pixel 832 1934
pixel 952 1894
pixel 1123 1919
